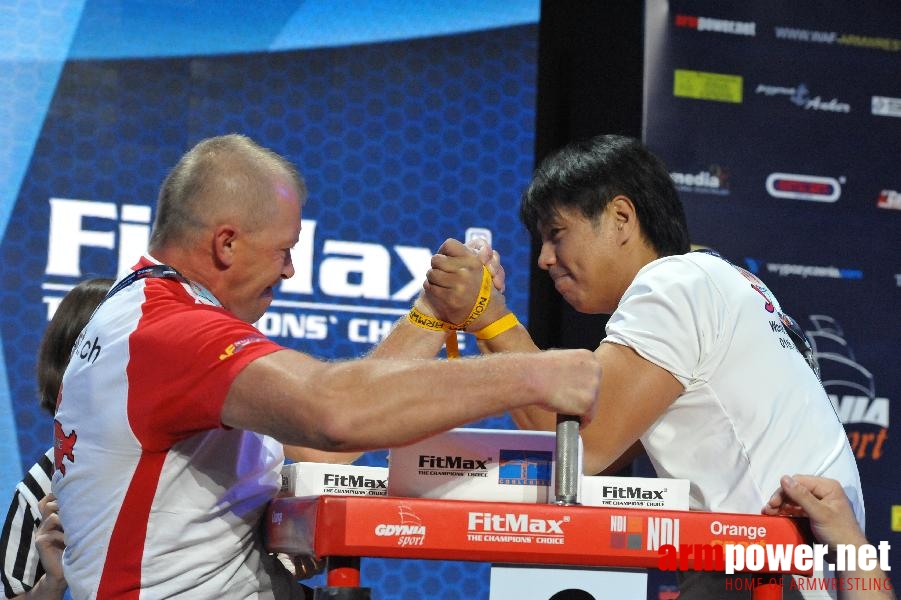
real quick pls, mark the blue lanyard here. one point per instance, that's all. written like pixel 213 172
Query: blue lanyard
pixel 164 271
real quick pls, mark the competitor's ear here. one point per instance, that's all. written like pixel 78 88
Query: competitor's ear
pixel 622 210
pixel 224 245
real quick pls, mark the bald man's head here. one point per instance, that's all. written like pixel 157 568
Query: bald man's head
pixel 228 178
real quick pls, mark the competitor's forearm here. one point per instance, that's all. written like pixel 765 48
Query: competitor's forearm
pixel 404 401
pixel 517 339
pixel 302 454
pixel 375 403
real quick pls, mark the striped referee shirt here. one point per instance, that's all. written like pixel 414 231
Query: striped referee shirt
pixel 21 565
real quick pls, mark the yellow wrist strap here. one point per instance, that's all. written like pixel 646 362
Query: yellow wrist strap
pixel 425 321
pixel 481 303
pixel 505 323
pixel 450 344
pixel 435 324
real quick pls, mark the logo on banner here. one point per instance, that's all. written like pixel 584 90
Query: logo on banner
pixel 851 388
pixel 713 180
pixel 700 85
pixel 454 466
pixel 359 278
pixel 626 532
pixel 800 96
pixel 338 483
pixel 813 36
pixel 889 199
pixel 804 187
pixel 748 28
pixel 731 531
pixel 632 496
pixel 884 106
pixel 409 532
pixel 515 528
pixel 643 533
pixel 756 266
pixel 525 467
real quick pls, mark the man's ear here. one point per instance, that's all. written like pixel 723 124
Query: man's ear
pixel 622 210
pixel 224 245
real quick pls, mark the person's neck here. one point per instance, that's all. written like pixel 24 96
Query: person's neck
pixel 642 254
pixel 186 263
pixel 637 257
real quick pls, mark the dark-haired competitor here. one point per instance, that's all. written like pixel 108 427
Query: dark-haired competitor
pixel 699 362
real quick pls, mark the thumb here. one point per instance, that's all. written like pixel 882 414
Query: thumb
pixel 801 496
pixel 480 246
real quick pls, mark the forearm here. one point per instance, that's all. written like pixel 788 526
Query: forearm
pixel 374 403
pixel 405 401
pixel 371 403
pixel 406 340
pixel 518 339
pixel 632 395
pixel 302 454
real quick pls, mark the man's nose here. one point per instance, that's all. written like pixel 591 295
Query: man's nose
pixel 547 257
pixel 288 268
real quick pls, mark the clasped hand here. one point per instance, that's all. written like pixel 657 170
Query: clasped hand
pixel 454 279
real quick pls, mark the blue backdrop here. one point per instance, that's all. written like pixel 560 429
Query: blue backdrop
pixel 411 122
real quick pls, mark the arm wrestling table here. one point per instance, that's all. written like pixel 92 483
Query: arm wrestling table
pixel 343 529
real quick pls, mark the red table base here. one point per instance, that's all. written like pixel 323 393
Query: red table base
pixel 345 528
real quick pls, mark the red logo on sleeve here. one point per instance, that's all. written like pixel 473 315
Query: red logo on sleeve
pixel 63 446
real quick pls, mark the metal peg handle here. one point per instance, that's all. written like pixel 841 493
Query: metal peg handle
pixel 566 475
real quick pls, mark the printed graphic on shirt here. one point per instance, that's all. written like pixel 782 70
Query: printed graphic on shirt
pixel 785 327
pixel 63 446
pixel 236 347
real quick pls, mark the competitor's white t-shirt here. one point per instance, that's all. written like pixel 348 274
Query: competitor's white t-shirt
pixel 158 498
pixel 752 409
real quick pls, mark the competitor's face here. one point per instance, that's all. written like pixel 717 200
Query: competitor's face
pixel 265 258
pixel 580 255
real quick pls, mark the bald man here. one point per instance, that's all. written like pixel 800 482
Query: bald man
pixel 174 407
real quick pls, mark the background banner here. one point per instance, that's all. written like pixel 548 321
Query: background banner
pixel 412 122
pixel 781 125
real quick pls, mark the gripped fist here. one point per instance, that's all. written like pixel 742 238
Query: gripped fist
pixel 571 380
pixel 453 282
